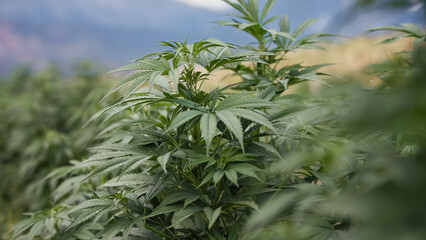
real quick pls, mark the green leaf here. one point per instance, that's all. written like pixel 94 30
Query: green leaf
pixel 86 215
pixel 242 101
pixel 243 26
pixel 206 179
pixel 233 124
pixel 163 159
pixel 270 148
pixel 119 108
pixel 25 224
pixel 182 118
pixel 266 8
pixel 155 64
pixel 163 210
pixel 242 157
pixel 106 155
pixel 100 214
pixel 414 29
pixel 183 214
pixel 227 23
pixel 269 20
pixel 186 103
pixel 145 64
pixel 217 42
pixel 267 93
pixel 284 24
pixel 91 203
pixel 154 77
pixel 271 210
pixel 388 28
pixel 164 83
pixel 107 167
pixel 132 165
pixel 112 229
pixel 208 127
pixel 313 77
pixel 211 215
pixel 311 38
pixel 190 200
pixel 133 66
pixel 155 187
pixel 128 180
pixel 139 77
pixel 404 28
pixel 245 169
pixel 301 28
pixel 252 116
pixel 217 176
pixel 232 176
pixel 198 159
pixel 239 8
pixel 127 230
pixel 313 68
pixel 250 204
pixel 275 33
pixel 180 195
pixel 393 39
pixel 252 8
pixel 174 76
pixel 67 186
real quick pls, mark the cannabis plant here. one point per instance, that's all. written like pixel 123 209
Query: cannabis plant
pixel 364 178
pixel 186 164
pixel 41 131
pixel 273 76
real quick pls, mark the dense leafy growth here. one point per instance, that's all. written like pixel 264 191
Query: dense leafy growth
pixel 248 161
pixel 40 125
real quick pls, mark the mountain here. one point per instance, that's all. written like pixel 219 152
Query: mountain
pixel 113 33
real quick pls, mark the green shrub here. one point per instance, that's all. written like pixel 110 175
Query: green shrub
pixel 187 163
pixel 40 125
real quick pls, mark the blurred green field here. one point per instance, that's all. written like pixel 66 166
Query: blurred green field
pixel 42 115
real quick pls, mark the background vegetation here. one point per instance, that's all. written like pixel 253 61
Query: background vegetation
pixel 41 128
pixel 174 158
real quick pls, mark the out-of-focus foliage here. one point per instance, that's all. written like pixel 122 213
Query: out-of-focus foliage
pixel 364 178
pixel 42 115
pixel 392 70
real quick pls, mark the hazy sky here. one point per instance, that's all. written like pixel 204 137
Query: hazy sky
pixel 114 32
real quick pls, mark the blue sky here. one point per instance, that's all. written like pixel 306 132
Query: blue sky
pixel 114 32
